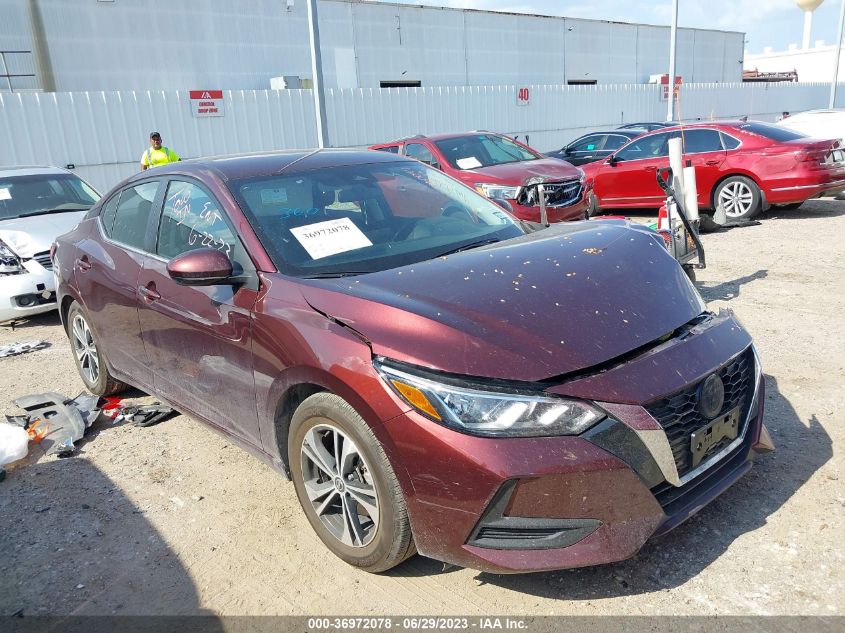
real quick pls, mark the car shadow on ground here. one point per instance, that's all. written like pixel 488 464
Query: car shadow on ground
pixel 803 446
pixel 60 510
pixel 820 208
pixel 48 319
pixel 728 290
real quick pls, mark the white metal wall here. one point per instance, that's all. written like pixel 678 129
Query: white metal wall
pixel 105 133
pixel 214 44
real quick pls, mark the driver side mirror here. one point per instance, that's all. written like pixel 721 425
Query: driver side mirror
pixel 201 267
pixel 612 160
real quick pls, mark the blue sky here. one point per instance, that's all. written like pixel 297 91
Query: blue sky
pixel 775 23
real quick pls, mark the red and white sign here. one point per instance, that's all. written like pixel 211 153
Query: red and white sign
pixel 664 87
pixel 206 103
pixel 523 96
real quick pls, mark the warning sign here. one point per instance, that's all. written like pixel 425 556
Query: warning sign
pixel 206 103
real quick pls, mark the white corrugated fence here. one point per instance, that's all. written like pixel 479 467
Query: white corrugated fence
pixel 103 134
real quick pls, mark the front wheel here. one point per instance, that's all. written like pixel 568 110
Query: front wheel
pixel 739 197
pixel 88 354
pixel 346 485
pixel 592 206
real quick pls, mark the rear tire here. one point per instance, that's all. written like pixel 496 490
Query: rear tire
pixel 739 196
pixel 353 502
pixel 88 355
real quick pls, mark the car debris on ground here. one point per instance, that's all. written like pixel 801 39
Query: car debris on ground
pixel 16 349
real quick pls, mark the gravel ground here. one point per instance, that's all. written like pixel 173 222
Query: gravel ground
pixel 173 519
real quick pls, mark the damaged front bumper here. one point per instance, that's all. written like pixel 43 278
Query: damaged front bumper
pixel 31 291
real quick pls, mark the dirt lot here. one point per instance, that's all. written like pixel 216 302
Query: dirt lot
pixel 173 519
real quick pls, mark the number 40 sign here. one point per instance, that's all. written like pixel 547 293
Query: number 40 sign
pixel 523 96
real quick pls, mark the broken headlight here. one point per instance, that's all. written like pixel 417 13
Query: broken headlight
pixel 497 192
pixel 491 413
pixel 9 262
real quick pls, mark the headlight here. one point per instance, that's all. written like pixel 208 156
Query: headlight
pixel 498 192
pixel 581 175
pixel 491 413
pixel 9 262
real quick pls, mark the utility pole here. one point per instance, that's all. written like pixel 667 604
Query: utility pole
pixel 673 40
pixel 317 74
pixel 836 55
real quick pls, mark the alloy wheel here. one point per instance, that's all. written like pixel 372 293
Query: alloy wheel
pixel 85 350
pixel 736 199
pixel 339 485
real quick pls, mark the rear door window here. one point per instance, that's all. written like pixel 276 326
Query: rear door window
pixel 615 141
pixel 699 141
pixel 133 213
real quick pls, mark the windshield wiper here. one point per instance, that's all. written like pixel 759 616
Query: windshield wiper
pixel 469 246
pixel 343 273
pixel 50 211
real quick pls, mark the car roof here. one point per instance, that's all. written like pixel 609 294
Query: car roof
pixel 30 170
pixel 437 137
pixel 235 167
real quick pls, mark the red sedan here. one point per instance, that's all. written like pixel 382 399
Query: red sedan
pixel 746 166
pixel 501 169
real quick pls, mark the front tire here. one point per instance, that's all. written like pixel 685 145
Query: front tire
pixel 739 196
pixel 592 206
pixel 88 355
pixel 346 485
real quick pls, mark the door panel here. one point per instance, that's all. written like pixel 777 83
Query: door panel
pixel 632 181
pixel 107 277
pixel 199 339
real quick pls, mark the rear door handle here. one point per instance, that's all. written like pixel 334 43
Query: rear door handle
pixel 82 264
pixel 651 168
pixel 711 163
pixel 149 293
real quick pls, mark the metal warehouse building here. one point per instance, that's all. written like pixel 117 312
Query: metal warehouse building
pixel 82 45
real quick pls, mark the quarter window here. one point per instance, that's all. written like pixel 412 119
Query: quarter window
pixel 133 213
pixel 192 219
pixel 107 213
pixel 729 141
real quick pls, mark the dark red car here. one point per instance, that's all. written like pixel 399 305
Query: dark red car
pixel 746 166
pixel 502 169
pixel 432 377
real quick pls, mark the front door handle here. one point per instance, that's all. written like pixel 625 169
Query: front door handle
pixel 651 168
pixel 149 293
pixel 82 264
pixel 712 163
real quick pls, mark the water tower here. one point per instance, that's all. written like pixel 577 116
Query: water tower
pixel 808 6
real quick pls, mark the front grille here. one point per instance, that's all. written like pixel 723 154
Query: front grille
pixel 679 416
pixel 515 533
pixel 558 194
pixel 44 260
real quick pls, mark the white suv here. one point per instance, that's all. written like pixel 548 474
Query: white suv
pixel 37 204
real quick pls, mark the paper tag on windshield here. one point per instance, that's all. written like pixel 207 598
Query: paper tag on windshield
pixel 468 163
pixel 274 196
pixel 325 239
pixel 4 194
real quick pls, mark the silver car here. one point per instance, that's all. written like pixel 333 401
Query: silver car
pixel 37 204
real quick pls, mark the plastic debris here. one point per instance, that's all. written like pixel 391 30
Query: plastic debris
pixel 56 420
pixel 145 415
pixel 14 443
pixel 16 349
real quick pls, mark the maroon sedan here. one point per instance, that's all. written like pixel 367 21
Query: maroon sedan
pixel 745 166
pixel 432 377
pixel 502 169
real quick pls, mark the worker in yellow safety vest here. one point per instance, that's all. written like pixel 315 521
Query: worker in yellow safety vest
pixel 157 154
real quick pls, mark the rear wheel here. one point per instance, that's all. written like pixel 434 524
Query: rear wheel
pixel 88 354
pixel 739 197
pixel 346 485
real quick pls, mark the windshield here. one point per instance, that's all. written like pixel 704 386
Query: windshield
pixel 483 150
pixel 365 218
pixel 21 196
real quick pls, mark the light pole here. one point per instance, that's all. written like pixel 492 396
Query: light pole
pixel 836 54
pixel 317 74
pixel 673 40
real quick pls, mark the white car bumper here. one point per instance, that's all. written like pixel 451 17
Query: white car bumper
pixel 30 292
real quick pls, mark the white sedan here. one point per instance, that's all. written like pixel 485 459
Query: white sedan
pixel 37 204
pixel 818 123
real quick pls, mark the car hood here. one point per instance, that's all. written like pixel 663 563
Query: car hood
pixel 539 306
pixel 519 173
pixel 28 236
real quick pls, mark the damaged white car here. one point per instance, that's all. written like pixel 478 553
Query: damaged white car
pixel 37 204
